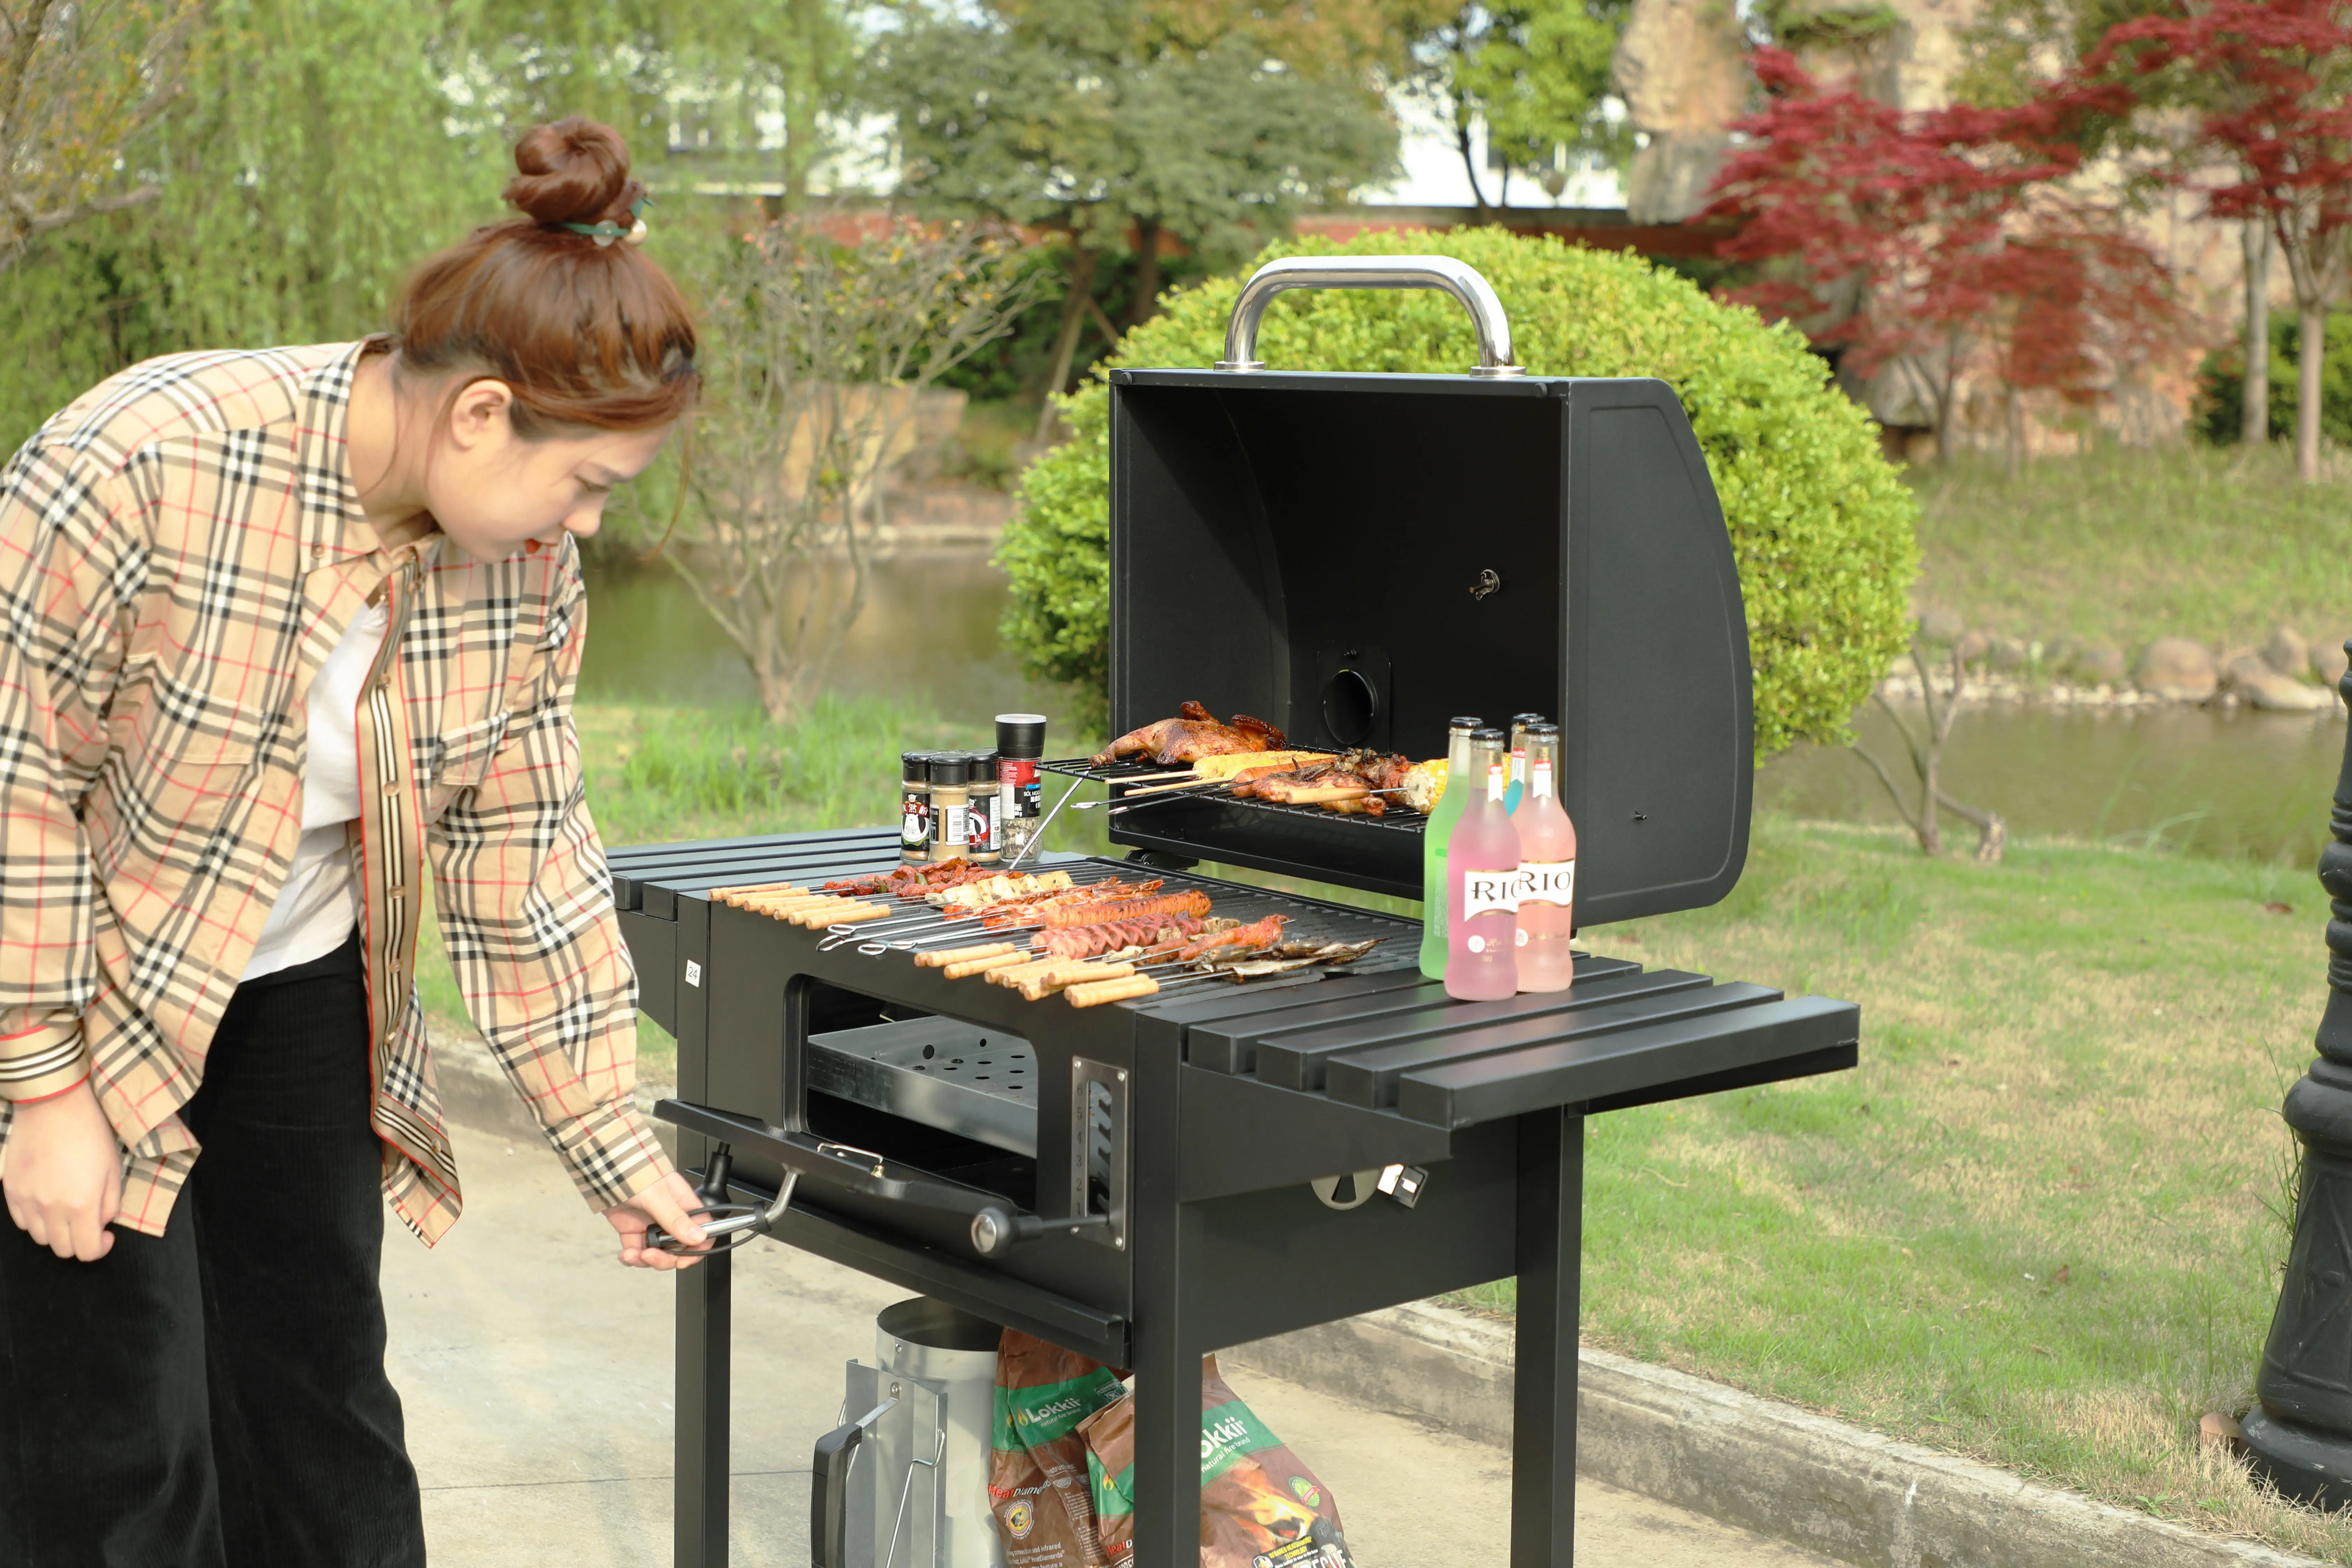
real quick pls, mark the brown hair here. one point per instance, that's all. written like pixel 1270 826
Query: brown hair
pixel 587 335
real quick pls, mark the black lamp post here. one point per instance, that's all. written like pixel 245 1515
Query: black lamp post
pixel 2301 1432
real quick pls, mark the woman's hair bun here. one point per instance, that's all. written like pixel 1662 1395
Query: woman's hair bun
pixel 575 170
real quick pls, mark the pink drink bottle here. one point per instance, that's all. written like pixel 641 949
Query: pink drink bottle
pixel 1547 869
pixel 1482 876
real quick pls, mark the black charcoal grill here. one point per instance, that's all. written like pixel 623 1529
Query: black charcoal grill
pixel 1149 1181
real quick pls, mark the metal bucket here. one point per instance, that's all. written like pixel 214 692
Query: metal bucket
pixel 905 1483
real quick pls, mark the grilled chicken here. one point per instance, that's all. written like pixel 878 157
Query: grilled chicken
pixel 1191 736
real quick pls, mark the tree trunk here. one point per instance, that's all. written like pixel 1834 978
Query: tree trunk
pixel 2310 352
pixel 800 104
pixel 2015 420
pixel 1470 166
pixel 2254 414
pixel 1146 303
pixel 1066 342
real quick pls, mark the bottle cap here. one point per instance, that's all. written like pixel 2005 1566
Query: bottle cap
pixel 915 766
pixel 1463 726
pixel 950 767
pixel 1539 727
pixel 1021 736
pixel 1521 720
pixel 983 767
pixel 1483 738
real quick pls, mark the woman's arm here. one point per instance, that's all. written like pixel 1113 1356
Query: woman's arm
pixel 69 551
pixel 526 909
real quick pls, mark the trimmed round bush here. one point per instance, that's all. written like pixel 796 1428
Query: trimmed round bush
pixel 1820 523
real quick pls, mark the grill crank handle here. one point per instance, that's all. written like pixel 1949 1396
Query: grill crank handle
pixel 996 1231
pixel 726 1226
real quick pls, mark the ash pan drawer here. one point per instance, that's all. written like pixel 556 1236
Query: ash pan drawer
pixel 977 1083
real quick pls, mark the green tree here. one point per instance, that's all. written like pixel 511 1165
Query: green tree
pixel 688 85
pixel 1536 72
pixel 1821 523
pixel 320 147
pixel 78 83
pixel 1095 117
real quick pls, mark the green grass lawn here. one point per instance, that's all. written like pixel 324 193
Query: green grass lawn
pixel 2040 1224
pixel 2218 544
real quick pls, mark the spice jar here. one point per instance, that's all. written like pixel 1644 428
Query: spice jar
pixel 1020 744
pixel 984 830
pixel 950 772
pixel 915 806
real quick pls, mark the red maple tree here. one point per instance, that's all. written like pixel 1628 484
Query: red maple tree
pixel 1939 241
pixel 2269 81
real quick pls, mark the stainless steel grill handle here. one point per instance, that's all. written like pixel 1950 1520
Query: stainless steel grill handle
pixel 1456 277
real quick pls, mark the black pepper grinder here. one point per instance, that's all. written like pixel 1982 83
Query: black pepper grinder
pixel 1020 744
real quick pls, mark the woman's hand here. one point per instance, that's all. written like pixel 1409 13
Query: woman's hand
pixel 63 1177
pixel 664 1205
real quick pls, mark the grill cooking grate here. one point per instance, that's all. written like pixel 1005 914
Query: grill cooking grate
pixel 914 927
pixel 1398 818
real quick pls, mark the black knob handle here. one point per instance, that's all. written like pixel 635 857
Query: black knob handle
pixel 997 1231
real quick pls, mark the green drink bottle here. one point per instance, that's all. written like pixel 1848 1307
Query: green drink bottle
pixel 1435 836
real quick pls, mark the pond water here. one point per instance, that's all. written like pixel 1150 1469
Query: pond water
pixel 2240 783
pixel 2226 784
pixel 928 635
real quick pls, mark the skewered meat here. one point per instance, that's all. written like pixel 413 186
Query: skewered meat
pixel 1288 957
pixel 1112 936
pixel 906 881
pixel 1031 910
pixel 1191 902
pixel 985 891
pixel 1193 735
pixel 1256 934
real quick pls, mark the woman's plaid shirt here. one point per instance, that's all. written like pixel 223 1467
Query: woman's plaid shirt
pixel 180 551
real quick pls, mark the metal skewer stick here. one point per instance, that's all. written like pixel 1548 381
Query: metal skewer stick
pixel 1147 797
pixel 1037 836
pixel 1124 804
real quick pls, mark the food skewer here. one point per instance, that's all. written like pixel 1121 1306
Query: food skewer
pixel 1302 797
pixel 1037 835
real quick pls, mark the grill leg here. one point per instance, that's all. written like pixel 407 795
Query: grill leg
pixel 1543 1429
pixel 704 1362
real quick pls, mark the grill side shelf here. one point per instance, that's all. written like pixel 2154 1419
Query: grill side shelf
pixel 1304 1061
pixel 1266 1046
pixel 1687 1052
pixel 1370 1077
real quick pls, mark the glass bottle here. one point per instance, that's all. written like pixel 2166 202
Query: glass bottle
pixel 1520 723
pixel 1435 836
pixel 1482 880
pixel 1547 869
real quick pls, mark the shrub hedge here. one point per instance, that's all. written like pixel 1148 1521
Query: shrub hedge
pixel 1820 523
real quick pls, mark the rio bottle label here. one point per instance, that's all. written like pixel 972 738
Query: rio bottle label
pixel 1547 882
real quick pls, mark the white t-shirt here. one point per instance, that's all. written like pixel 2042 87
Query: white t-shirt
pixel 320 904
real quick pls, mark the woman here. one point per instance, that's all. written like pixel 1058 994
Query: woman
pixel 275 628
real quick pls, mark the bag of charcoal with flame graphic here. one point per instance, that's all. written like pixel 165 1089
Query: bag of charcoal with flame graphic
pixel 1038 1470
pixel 1261 1507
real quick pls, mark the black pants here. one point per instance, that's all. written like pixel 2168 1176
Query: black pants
pixel 215 1397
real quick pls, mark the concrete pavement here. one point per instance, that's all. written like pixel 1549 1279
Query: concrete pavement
pixel 535 1374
